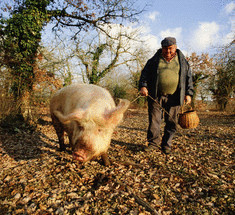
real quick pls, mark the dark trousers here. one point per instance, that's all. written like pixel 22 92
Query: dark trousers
pixel 155 118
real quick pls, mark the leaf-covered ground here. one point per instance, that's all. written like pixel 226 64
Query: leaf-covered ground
pixel 196 178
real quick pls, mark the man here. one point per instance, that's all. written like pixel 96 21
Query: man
pixel 167 79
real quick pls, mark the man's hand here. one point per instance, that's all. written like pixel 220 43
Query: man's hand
pixel 187 100
pixel 144 91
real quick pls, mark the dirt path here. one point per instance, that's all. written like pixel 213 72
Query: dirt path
pixel 196 178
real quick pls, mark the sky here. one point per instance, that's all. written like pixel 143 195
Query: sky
pixel 199 25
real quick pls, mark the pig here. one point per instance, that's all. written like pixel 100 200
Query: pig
pixel 88 114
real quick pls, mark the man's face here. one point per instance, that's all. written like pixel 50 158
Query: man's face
pixel 168 51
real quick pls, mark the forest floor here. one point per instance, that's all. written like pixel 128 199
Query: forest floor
pixel 196 178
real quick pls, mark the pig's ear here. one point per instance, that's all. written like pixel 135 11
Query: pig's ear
pixel 114 116
pixel 78 115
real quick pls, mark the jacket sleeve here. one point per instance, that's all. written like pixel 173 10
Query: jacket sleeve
pixel 143 82
pixel 189 82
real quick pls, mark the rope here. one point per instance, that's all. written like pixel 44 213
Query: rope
pixel 163 109
pixel 136 98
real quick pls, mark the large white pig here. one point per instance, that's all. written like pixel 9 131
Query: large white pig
pixel 89 115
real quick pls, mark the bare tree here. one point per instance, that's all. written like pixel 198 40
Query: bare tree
pixel 101 56
pixel 84 15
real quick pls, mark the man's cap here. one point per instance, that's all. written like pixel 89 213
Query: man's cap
pixel 168 41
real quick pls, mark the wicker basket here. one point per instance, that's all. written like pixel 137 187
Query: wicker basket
pixel 189 119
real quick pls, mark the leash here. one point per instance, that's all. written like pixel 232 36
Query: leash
pixel 159 105
pixel 137 98
pixel 163 109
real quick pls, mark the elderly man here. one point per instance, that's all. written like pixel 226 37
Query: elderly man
pixel 167 79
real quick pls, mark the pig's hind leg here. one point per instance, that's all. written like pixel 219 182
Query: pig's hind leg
pixel 59 131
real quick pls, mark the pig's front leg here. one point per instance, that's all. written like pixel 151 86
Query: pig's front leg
pixel 60 134
pixel 59 131
pixel 105 159
pixel 61 142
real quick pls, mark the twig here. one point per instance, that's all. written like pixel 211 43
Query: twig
pixel 139 200
pixel 128 162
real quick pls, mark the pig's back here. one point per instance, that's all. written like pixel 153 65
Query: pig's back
pixel 86 96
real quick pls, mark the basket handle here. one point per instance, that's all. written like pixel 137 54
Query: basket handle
pixel 186 107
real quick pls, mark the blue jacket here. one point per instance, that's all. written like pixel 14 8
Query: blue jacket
pixel 149 77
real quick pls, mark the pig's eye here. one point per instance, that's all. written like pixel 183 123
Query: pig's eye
pixel 80 128
pixel 99 130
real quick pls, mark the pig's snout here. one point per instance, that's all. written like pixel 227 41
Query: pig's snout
pixel 80 156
